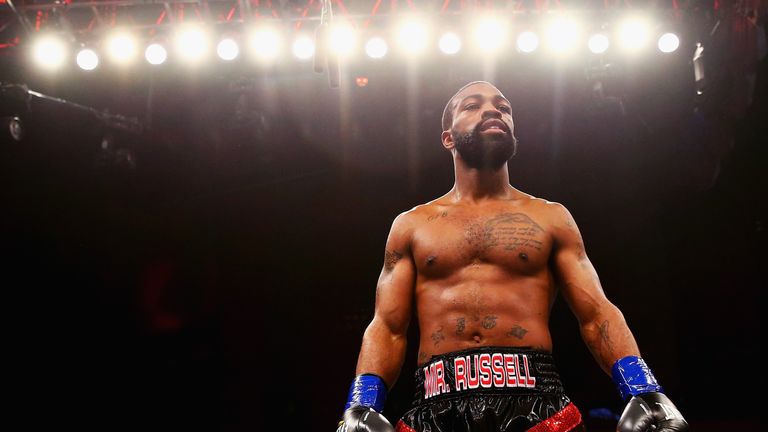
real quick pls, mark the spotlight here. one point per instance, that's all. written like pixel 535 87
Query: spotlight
pixel 156 54
pixel 562 35
pixel 227 49
pixel 265 44
pixel 192 44
pixel 376 47
pixel 490 34
pixel 450 43
pixel 121 48
pixel 598 43
pixel 527 42
pixel 342 39
pixel 49 52
pixel 668 42
pixel 87 59
pixel 303 48
pixel 413 36
pixel 633 34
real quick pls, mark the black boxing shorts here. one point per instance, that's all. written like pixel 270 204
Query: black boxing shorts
pixel 490 389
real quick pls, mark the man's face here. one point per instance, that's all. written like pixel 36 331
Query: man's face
pixel 482 130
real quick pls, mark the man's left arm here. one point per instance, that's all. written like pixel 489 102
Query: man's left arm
pixel 606 333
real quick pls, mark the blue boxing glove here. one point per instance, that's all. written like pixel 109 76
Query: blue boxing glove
pixel 648 408
pixel 362 413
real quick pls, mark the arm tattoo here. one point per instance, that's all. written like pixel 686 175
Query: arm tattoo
pixel 423 357
pixel 517 331
pixel 489 322
pixel 390 259
pixel 569 221
pixel 461 324
pixel 604 337
pixel 582 254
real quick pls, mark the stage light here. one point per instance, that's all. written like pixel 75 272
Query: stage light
pixel 562 35
pixel 633 34
pixel 490 34
pixel 121 48
pixel 49 52
pixel 668 42
pixel 265 44
pixel 413 36
pixel 342 39
pixel 376 47
pixel 449 43
pixel 227 49
pixel 155 54
pixel 191 43
pixel 303 48
pixel 527 42
pixel 598 43
pixel 87 59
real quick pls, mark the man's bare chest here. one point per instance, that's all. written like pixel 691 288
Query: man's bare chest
pixel 515 239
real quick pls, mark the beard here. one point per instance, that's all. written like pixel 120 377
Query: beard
pixel 484 151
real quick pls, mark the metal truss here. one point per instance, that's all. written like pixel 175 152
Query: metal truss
pixel 20 19
pixel 20 97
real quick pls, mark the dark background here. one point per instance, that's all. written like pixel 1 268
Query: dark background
pixel 217 271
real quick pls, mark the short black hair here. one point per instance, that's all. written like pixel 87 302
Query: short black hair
pixel 451 105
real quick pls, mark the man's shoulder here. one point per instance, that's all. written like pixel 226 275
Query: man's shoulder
pixel 551 210
pixel 409 218
pixel 552 213
pixel 422 211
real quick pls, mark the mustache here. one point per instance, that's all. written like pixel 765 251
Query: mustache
pixel 477 127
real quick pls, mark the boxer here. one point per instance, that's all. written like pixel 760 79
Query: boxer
pixel 480 266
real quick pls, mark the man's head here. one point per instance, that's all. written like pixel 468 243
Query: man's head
pixel 477 123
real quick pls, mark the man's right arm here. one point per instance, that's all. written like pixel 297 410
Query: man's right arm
pixel 384 342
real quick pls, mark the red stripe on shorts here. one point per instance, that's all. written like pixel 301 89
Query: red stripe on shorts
pixel 562 421
pixel 402 427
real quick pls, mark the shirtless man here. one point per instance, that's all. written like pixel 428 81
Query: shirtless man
pixel 479 264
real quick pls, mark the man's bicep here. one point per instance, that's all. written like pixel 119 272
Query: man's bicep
pixel 395 287
pixel 577 276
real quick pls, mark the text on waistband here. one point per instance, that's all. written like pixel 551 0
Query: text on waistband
pixel 487 370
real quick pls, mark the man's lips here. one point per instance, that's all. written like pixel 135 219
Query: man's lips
pixel 493 124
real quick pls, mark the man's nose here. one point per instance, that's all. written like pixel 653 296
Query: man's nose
pixel 491 112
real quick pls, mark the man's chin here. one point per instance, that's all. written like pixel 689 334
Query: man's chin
pixel 485 163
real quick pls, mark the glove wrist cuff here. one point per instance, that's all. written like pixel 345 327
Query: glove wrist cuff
pixel 367 390
pixel 633 377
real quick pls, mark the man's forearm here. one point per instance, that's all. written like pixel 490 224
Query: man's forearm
pixel 608 337
pixel 382 352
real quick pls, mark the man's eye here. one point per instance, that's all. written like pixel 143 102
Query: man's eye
pixel 470 106
pixel 506 108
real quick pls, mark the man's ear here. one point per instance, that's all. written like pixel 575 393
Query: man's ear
pixel 447 140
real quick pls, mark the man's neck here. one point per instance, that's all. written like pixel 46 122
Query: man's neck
pixel 473 185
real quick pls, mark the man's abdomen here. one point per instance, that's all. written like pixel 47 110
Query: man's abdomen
pixel 483 312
